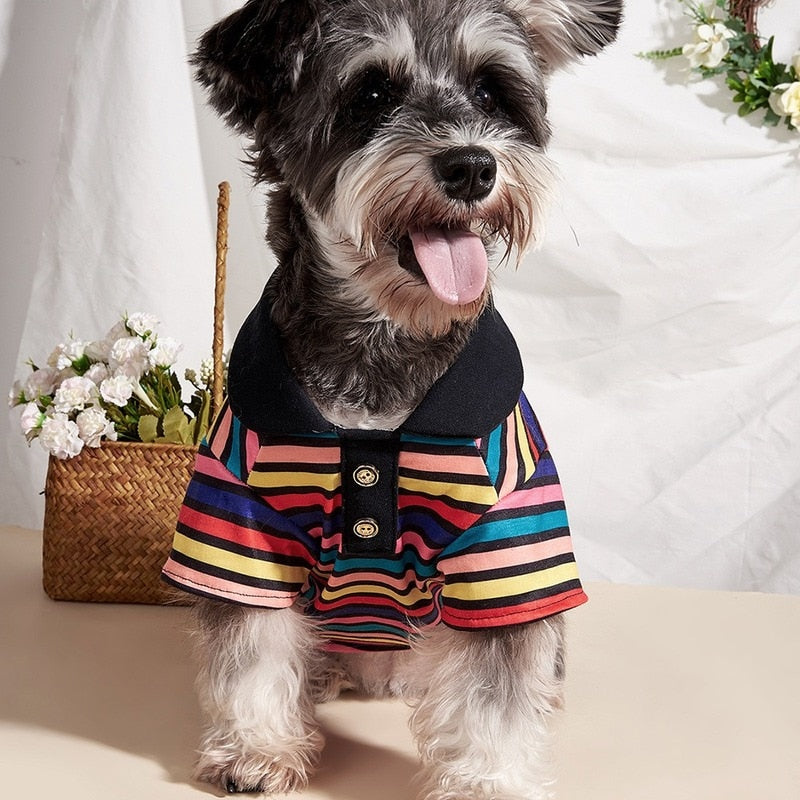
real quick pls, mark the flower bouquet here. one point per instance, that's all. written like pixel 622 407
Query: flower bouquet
pixel 726 44
pixel 120 388
pixel 122 443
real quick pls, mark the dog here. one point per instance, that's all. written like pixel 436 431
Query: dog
pixel 376 507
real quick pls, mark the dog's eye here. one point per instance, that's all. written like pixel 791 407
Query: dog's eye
pixel 375 92
pixel 484 96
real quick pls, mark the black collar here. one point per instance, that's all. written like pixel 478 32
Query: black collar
pixel 472 398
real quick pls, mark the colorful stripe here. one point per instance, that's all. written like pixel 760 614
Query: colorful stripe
pixel 482 540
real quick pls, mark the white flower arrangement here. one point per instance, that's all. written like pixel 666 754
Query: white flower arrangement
pixel 121 387
pixel 710 45
pixel 784 100
pixel 725 43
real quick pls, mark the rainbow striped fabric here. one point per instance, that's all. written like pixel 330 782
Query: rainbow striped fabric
pixel 482 538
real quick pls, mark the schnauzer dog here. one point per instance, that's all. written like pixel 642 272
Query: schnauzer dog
pixel 376 507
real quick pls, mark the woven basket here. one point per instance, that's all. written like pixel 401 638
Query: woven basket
pixel 109 518
pixel 110 512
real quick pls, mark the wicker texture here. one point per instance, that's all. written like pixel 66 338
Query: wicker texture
pixel 110 512
pixel 223 202
pixel 109 518
pixel 747 10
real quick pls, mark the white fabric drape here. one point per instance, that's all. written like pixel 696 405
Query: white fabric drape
pixel 659 323
pixel 126 220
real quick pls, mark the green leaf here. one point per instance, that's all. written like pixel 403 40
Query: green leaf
pixel 174 422
pixel 660 55
pixel 148 428
pixel 81 365
pixel 734 83
pixel 203 416
pixel 178 428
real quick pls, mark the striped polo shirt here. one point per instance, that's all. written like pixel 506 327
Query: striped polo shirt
pixel 378 535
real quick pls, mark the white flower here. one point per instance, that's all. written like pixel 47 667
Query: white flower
pixel 97 373
pixel 63 374
pixel 710 45
pixel 129 356
pixel 207 372
pixel 57 359
pixel 60 436
pixel 31 419
pixel 117 390
pixel 40 383
pixel 796 63
pixel 16 394
pixel 100 350
pixel 166 352
pixel 139 391
pixel 143 324
pixel 74 394
pixel 785 101
pixel 93 425
pixel 63 356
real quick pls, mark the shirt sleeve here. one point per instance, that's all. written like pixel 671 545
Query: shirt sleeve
pixel 229 544
pixel 516 563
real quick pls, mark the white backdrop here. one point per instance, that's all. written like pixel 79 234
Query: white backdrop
pixel 659 324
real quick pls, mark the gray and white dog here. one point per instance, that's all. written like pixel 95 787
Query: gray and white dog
pixel 404 141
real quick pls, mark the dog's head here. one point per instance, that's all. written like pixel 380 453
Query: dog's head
pixel 411 132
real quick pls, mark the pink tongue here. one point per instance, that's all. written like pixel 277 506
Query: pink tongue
pixel 454 263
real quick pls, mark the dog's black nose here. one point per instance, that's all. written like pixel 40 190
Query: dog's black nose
pixel 466 173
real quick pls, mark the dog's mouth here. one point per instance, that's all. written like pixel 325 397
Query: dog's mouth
pixel 453 262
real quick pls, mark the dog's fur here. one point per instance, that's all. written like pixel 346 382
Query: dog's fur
pixel 350 106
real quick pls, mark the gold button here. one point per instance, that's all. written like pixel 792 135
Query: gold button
pixel 366 528
pixel 366 475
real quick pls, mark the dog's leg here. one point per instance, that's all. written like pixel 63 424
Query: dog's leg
pixel 253 685
pixel 481 721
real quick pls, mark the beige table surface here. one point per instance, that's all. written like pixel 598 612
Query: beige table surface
pixel 673 694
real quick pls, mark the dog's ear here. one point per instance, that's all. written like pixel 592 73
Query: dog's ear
pixel 250 59
pixel 564 30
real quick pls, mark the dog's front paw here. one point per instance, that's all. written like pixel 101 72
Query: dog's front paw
pixel 442 785
pixel 251 773
pixel 271 770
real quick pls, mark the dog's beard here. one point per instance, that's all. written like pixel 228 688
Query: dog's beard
pixel 416 256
